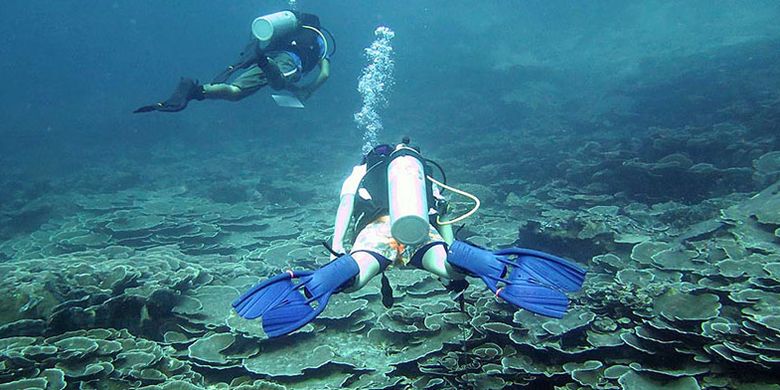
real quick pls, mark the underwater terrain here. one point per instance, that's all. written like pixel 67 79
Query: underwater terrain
pixel 640 140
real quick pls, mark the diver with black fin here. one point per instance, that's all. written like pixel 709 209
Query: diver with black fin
pixel 394 206
pixel 284 49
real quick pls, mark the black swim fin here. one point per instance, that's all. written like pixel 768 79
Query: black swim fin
pixel 187 90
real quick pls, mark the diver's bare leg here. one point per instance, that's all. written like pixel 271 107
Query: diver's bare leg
pixel 369 267
pixel 435 261
pixel 224 92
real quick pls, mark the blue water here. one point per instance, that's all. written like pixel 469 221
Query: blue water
pixel 511 96
pixel 71 69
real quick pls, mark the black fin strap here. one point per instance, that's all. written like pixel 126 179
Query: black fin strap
pixel 330 249
pixel 387 292
pixel 459 288
pixel 387 289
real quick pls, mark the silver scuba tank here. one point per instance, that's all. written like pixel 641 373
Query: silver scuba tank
pixel 407 196
pixel 265 28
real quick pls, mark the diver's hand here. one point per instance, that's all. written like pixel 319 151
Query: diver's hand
pixel 273 74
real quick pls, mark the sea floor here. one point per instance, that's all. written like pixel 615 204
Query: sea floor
pixel 121 274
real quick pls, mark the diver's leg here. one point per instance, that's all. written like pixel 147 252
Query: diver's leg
pixel 373 250
pixel 434 260
pixel 223 92
pixel 244 85
pixel 276 71
pixel 370 265
pixel 432 257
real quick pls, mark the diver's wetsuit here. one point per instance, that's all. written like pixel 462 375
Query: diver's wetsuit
pixel 294 57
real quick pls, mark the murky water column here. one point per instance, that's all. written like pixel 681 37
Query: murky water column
pixel 293 4
pixel 374 85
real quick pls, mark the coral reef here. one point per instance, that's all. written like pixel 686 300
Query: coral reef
pixel 122 277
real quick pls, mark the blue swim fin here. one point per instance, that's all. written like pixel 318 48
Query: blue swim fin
pixel 536 280
pixel 263 296
pixel 477 262
pixel 526 293
pixel 285 306
pixel 293 314
pixel 547 269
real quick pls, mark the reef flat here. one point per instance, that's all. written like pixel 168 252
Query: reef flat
pixel 121 274
pixel 130 285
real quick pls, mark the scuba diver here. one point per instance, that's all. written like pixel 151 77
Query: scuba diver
pixel 285 47
pixel 395 210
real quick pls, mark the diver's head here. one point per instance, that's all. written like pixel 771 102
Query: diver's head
pixel 407 142
pixel 377 154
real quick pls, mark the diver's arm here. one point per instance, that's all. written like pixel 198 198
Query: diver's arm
pixel 305 91
pixel 343 216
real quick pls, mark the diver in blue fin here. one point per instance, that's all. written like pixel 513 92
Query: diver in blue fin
pixel 395 207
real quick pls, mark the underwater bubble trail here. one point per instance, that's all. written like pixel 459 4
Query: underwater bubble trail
pixel 374 84
pixel 293 4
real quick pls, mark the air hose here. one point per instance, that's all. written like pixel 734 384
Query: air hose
pixel 459 192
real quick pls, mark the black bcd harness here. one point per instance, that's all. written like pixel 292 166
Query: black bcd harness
pixel 376 184
pixel 303 42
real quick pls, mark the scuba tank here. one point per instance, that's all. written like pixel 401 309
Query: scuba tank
pixel 407 196
pixel 277 24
